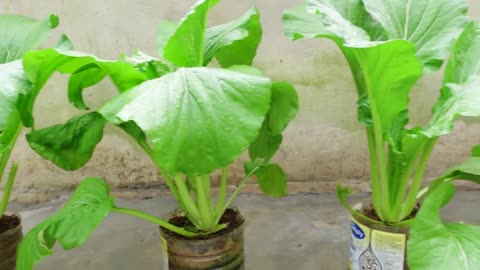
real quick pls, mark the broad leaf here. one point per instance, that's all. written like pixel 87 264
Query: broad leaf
pixel 41 65
pixel 266 144
pixel 185 47
pixel 467 170
pixel 69 145
pixel 71 226
pixel 432 26
pixel 463 62
pixel 298 23
pixel 20 34
pixel 197 119
pixel 12 83
pixel 460 94
pixel 81 79
pixel 390 79
pixel 343 22
pixel 455 100
pixel 322 20
pixel 236 42
pixel 283 107
pixel 435 245
pixel 341 15
pixel 272 180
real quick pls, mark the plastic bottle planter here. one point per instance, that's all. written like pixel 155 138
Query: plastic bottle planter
pixel 377 247
pixel 10 236
pixel 221 251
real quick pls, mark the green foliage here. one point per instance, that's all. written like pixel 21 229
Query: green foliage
pixel 86 71
pixel 71 226
pixel 18 35
pixel 236 42
pixel 189 119
pixel 434 244
pixel 69 145
pixel 21 34
pixel 12 83
pixel 389 45
pixel 197 119
pixel 272 180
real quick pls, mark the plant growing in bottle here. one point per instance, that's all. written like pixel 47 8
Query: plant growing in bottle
pixel 389 46
pixel 191 120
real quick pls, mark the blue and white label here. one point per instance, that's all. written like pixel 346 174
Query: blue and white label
pixel 357 231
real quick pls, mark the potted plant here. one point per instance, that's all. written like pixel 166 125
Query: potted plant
pixel 18 34
pixel 191 120
pixel 389 46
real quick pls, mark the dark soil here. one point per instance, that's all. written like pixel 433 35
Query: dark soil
pixel 230 217
pixel 370 212
pixel 8 222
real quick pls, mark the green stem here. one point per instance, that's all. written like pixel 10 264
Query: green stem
pixel 203 204
pixel 403 185
pixel 208 193
pixel 384 209
pixel 236 192
pixel 222 193
pixel 376 198
pixel 411 199
pixel 191 209
pixel 155 220
pixel 17 128
pixel 8 189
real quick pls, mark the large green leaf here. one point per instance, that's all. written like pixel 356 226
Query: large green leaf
pixel 455 100
pixel 432 26
pixel 69 145
pixel 272 180
pixel 71 226
pixel 460 94
pixel 298 23
pixel 343 21
pixel 185 46
pixel 12 83
pixel 467 170
pixel 266 144
pixel 340 15
pixel 41 65
pixel 435 245
pixel 390 79
pixel 81 79
pixel 283 108
pixel 236 42
pixel 20 34
pixel 197 119
pixel 463 61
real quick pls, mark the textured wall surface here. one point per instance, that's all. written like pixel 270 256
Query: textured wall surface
pixel 325 143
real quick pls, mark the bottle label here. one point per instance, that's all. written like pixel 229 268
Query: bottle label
pixel 374 249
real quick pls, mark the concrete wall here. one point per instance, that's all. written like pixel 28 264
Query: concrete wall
pixel 324 144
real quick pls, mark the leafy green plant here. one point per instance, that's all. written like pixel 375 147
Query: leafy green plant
pixel 191 120
pixel 389 46
pixel 19 34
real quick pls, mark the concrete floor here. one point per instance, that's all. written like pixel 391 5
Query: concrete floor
pixel 301 232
